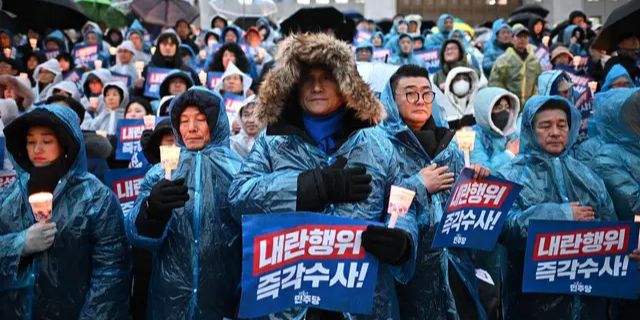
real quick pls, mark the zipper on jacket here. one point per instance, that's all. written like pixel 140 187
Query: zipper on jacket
pixel 196 220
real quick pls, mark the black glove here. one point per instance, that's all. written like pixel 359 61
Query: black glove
pixel 319 314
pixel 317 187
pixel 150 153
pixel 165 196
pixel 390 246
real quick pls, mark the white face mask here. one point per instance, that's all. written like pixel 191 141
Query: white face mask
pixel 460 88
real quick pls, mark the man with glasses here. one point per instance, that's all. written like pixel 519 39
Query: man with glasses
pixel 444 282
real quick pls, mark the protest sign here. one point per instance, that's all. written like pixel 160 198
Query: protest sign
pixel 85 55
pixel 6 177
pixel 381 54
pixel 75 75
pixel 154 78
pixel 128 133
pixel 476 212
pixel 121 77
pixel 232 103
pixel 125 183
pixel 213 78
pixel 305 260
pixel 545 60
pixel 362 35
pixel 431 59
pixel 51 54
pixel 584 258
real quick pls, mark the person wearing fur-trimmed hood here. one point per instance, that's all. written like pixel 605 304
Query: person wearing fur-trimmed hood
pixel 321 152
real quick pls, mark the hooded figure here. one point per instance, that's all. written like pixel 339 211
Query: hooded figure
pixel 364 56
pixel 103 46
pixel 169 62
pixel 43 90
pixel 67 87
pixel 151 146
pixel 107 119
pixel 461 88
pixel 617 162
pixel 494 47
pixel 136 32
pixel 128 69
pixel 59 39
pixel 441 276
pixel 565 181
pixel 166 83
pixel 391 39
pixel 494 129
pixel 86 270
pixel 377 39
pixel 435 40
pixel 21 91
pixel 233 70
pixel 287 170
pixel 102 75
pixel 616 77
pixel 192 281
pixel 535 37
pixel 403 57
pixel 447 61
pixel 575 46
pixel 242 143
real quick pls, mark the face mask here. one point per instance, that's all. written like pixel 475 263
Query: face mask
pixel 460 88
pixel 500 119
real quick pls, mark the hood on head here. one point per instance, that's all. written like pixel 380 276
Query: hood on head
pixel 91 26
pixel 62 120
pixel 546 81
pixel 300 50
pixel 484 102
pixel 164 86
pixel 68 87
pixel 441 21
pixel 123 91
pixel 498 25
pixel 21 87
pixel 231 70
pixel 235 30
pixel 415 18
pixel 457 71
pixel 163 106
pixel 611 112
pixel 218 16
pixel 135 27
pixel 104 75
pixel 51 65
pixel 209 103
pixel 532 23
pixel 528 141
pixel 379 35
pixel 616 72
pixel 168 33
pixel 128 46
pixel 58 37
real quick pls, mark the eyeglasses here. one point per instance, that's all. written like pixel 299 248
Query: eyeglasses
pixel 413 97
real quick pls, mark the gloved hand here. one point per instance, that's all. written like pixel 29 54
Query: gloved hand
pixel 39 238
pixel 317 187
pixel 165 196
pixel 390 246
pixel 146 136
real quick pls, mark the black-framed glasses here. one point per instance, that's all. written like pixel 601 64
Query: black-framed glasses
pixel 413 97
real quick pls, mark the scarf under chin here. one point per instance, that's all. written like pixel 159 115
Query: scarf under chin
pixel 45 179
pixel 321 129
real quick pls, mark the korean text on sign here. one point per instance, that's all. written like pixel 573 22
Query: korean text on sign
pixel 586 258
pixel 125 183
pixel 154 79
pixel 305 259
pixel 476 212
pixel 128 134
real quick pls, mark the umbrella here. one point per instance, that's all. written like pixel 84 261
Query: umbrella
pixel 244 8
pixel 623 21
pixel 164 12
pixel 522 18
pixel 248 22
pixel 318 19
pixel 531 8
pixel 45 14
pixel 103 11
pixel 7 21
pixel 354 15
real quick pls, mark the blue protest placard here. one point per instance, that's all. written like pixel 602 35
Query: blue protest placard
pixel 121 77
pixel 213 78
pixel 583 258
pixel 232 103
pixel 362 35
pixel 74 76
pixel 305 260
pixel 128 135
pixel 51 54
pixel 476 211
pixel 542 53
pixel 85 55
pixel 431 59
pixel 125 183
pixel 154 78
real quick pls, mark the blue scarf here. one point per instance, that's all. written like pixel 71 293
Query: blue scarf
pixel 321 129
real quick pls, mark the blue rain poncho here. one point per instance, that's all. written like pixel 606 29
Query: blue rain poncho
pixel 268 179
pixel 549 183
pixel 197 259
pixel 429 294
pixel 617 161
pixel 85 274
pixel 435 40
pixel 492 48
pixel 616 72
pixel 399 58
pixel 489 148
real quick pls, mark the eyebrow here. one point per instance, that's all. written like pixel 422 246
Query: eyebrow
pixel 416 87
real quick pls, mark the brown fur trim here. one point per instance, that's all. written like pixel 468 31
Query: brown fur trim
pixel 299 50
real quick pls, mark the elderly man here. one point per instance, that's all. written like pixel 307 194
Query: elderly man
pixel 186 221
pixel 445 282
pixel 321 153
pixel 555 187
pixel 518 68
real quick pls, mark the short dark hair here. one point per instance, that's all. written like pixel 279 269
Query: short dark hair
pixel 408 70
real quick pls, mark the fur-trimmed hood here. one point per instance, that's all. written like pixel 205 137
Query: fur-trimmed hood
pixel 300 50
